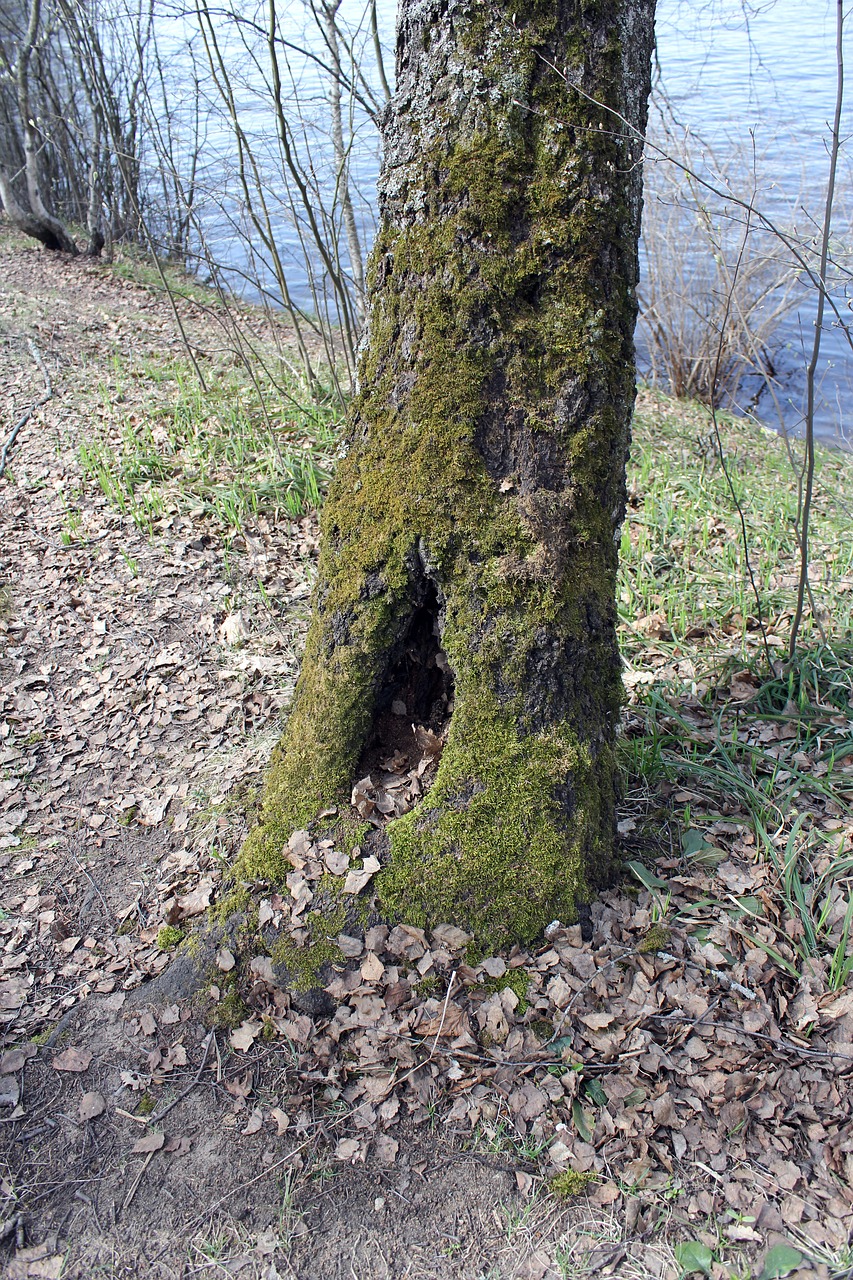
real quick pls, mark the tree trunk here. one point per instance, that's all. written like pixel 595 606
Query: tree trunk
pixel 469 548
pixel 36 220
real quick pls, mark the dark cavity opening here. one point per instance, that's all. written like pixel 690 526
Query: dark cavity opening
pixel 415 701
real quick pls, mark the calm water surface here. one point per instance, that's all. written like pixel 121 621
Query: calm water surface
pixel 750 86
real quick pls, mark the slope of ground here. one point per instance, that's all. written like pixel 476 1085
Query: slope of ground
pixel 681 1076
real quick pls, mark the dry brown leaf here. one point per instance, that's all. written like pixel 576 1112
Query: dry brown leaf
pixel 35 1263
pixel 14 1059
pixel 196 901
pixel 244 1036
pixel 349 1149
pixel 449 937
pixel 372 968
pixel 72 1059
pixel 241 1087
pixel 282 1121
pixel 147 1024
pixel 337 863
pixel 91 1105
pixel 359 877
pixel 147 1143
pixel 255 1121
pixel 386 1149
pixel 260 967
pixel 234 630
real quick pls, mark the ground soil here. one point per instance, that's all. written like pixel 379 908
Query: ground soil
pixel 131 735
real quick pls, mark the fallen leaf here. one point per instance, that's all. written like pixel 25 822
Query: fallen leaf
pixel 256 1119
pixel 348 1149
pixel 386 1149
pixel 597 1021
pixel 147 1143
pixel 244 1036
pixel 260 967
pixel 196 901
pixel 14 1059
pixel 447 935
pixel 282 1120
pixel 179 1146
pixel 91 1105
pixel 242 1087
pixel 359 877
pixel 10 1092
pixel 235 629
pixel 72 1059
pixel 336 862
pixel 372 969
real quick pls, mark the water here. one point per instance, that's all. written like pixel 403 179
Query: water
pixel 745 92
pixel 758 87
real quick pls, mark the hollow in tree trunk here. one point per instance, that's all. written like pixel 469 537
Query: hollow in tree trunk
pixel 469 542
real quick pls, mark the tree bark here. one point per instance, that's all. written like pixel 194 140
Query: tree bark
pixel 469 541
pixel 35 220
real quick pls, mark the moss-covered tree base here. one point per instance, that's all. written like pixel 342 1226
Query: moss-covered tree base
pixel 483 488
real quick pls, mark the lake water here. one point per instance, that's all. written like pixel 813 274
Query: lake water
pixel 745 91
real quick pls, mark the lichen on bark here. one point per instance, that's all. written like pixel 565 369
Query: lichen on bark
pixel 485 470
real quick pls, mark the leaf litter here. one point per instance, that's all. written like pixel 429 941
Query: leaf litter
pixel 685 1052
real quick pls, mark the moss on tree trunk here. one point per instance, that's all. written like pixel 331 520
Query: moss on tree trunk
pixel 484 485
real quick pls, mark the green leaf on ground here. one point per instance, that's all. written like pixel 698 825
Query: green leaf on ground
pixel 694 1256
pixel 780 1261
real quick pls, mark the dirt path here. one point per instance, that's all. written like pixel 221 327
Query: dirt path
pixel 139 1140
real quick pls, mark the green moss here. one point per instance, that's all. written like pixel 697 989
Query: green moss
pixel 427 986
pixel 169 936
pixel 238 901
pixel 571 1183
pixel 146 1104
pixel 231 1009
pixel 495 800
pixel 515 980
pixel 656 939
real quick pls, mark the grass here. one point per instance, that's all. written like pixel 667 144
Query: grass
pixel 684 579
pixel 766 748
pixel 240 450
pixel 714 736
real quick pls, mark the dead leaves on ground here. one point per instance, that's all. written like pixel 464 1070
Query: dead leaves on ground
pixel 647 1058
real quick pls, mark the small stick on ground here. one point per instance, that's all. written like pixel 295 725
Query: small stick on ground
pixel 25 417
pixel 128 1199
pixel 155 1119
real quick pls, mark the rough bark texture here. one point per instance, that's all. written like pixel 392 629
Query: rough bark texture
pixel 481 497
pixel 34 219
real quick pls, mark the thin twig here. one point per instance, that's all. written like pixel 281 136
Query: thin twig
pixel 818 327
pixel 716 426
pixel 443 1015
pixel 25 417
pixel 779 1042
pixel 155 1119
pixel 136 1181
